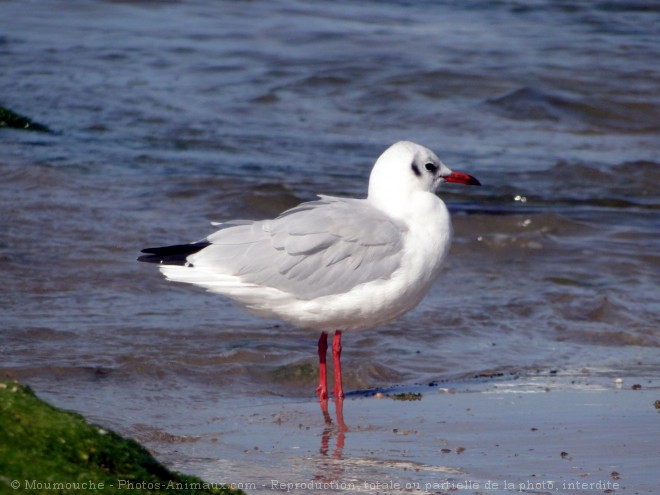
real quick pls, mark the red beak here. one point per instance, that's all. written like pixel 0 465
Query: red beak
pixel 461 178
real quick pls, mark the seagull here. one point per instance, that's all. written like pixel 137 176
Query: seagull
pixel 333 263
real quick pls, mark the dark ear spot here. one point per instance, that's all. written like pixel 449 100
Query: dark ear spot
pixel 416 170
pixel 431 167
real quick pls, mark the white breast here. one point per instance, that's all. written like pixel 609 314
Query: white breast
pixel 368 305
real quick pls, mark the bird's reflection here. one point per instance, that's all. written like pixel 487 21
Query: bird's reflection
pixel 330 469
pixel 339 411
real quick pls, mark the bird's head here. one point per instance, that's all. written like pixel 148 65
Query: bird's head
pixel 405 168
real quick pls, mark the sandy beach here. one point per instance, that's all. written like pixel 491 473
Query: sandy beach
pixel 539 435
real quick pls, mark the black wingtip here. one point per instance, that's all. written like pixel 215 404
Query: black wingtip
pixel 172 255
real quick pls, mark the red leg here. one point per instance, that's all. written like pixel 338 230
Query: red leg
pixel 322 389
pixel 336 361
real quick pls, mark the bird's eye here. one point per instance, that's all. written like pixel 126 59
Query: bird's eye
pixel 431 167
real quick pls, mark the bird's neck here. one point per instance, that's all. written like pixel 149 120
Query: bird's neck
pixel 409 207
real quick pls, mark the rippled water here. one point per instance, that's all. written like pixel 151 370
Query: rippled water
pixel 169 115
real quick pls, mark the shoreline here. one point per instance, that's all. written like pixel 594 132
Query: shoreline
pixel 540 434
pixel 496 434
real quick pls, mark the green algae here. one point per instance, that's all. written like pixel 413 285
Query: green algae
pixel 13 120
pixel 46 450
pixel 295 373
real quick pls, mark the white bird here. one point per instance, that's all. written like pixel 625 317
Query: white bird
pixel 333 263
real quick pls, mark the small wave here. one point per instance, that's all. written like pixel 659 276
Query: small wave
pixel 567 185
pixel 602 114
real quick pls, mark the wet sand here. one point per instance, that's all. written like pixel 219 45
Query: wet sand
pixel 541 434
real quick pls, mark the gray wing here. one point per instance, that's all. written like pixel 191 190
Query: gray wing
pixel 316 249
